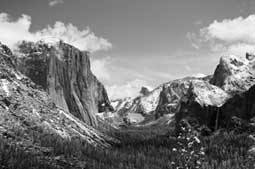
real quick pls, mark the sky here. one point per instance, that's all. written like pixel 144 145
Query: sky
pixel 136 43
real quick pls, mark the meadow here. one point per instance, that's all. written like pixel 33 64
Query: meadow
pixel 136 151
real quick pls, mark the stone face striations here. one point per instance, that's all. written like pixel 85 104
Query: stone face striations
pixel 235 74
pixel 64 72
pixel 229 94
pixel 27 112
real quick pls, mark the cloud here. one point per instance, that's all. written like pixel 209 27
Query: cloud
pixel 13 31
pixel 198 23
pixel 55 2
pixel 82 39
pixel 100 67
pixel 235 36
pixel 128 89
pixel 192 37
pixel 232 30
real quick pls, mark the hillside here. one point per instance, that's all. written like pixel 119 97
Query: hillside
pixel 32 122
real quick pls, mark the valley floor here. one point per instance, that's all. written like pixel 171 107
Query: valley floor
pixel 136 151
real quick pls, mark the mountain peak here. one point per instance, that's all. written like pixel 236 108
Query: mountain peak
pixel 234 73
pixel 144 91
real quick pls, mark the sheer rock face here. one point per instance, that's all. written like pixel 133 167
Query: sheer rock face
pixel 229 95
pixel 27 112
pixel 64 72
pixel 235 74
pixel 216 108
pixel 202 103
pixel 213 101
pixel 171 95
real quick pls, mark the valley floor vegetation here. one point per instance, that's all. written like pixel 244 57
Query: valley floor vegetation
pixel 224 150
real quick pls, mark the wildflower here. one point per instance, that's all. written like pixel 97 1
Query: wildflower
pixel 197 140
pixel 202 153
pixel 190 144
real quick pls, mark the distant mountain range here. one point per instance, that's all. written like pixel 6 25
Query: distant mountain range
pixel 208 100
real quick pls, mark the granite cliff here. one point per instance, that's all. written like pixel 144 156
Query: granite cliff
pixel 64 72
pixel 27 111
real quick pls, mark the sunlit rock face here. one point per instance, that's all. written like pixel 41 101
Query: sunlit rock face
pixel 235 73
pixel 202 103
pixel 145 104
pixel 171 95
pixel 27 112
pixel 229 94
pixel 64 72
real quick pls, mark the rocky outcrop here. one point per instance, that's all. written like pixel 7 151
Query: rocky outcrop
pixel 171 95
pixel 28 113
pixel 230 94
pixel 144 91
pixel 235 74
pixel 202 104
pixel 64 72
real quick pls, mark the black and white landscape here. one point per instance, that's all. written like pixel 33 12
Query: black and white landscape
pixel 160 85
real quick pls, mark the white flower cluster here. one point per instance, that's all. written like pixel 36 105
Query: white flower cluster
pixel 190 150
